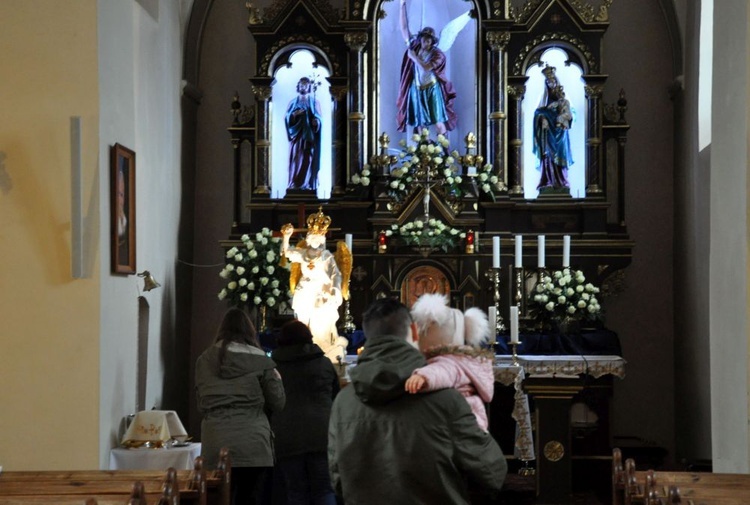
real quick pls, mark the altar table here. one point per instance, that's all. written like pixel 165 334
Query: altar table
pixel 553 382
pixel 144 458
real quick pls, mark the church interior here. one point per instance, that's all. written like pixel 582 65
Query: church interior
pixel 167 125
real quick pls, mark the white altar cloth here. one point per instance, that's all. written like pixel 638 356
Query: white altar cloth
pixel 145 458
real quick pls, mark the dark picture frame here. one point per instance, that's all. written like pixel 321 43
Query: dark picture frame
pixel 122 200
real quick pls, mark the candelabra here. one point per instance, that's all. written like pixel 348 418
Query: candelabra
pixel 383 161
pixel 471 161
pixel 498 325
pixel 514 352
pixel 348 325
pixel 519 295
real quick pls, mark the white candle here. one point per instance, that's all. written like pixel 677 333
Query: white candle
pixel 492 319
pixel 476 241
pixel 519 251
pixel 348 240
pixel 471 171
pixel 514 324
pixel 541 252
pixel 495 252
pixel 566 251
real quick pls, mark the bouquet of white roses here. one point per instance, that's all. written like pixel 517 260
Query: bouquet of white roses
pixel 434 233
pixel 425 159
pixel 565 294
pixel 487 181
pixel 253 274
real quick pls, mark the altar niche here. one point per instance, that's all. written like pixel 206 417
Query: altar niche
pixel 555 62
pixel 454 25
pixel 301 126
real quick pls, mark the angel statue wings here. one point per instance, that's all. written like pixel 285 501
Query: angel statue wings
pixel 319 281
pixel 426 94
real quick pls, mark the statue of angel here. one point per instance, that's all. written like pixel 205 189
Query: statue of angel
pixel 319 281
pixel 425 94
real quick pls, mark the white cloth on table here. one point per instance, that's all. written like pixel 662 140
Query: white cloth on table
pixel 179 458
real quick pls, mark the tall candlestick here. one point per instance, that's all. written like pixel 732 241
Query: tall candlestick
pixel 348 241
pixel 519 251
pixel 541 252
pixel 566 251
pixel 495 252
pixel 514 324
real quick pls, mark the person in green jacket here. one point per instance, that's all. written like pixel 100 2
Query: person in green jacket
pixel 387 446
pixel 237 386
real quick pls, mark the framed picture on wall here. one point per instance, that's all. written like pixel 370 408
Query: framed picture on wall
pixel 122 181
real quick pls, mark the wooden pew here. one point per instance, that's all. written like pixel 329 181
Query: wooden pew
pixel 631 487
pixel 137 496
pixel 194 487
pixel 94 492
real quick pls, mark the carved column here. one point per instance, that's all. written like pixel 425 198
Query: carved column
pixel 262 90
pixel 497 115
pixel 516 91
pixel 338 148
pixel 356 42
pixel 594 176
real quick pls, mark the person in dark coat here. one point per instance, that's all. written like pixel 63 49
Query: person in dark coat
pixel 236 385
pixel 301 429
pixel 386 446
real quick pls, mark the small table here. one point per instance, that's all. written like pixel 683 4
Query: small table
pixel 553 382
pixel 179 458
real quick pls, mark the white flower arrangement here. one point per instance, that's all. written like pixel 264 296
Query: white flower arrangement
pixel 363 177
pixel 418 160
pixel 425 156
pixel 434 233
pixel 565 294
pixel 253 273
pixel 487 182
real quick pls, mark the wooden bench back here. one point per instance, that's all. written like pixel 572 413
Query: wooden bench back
pixel 186 487
pixel 632 487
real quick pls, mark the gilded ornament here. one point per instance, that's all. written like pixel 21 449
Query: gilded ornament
pixel 591 14
pixel 498 40
pixel 555 37
pixel 356 40
pixel 554 451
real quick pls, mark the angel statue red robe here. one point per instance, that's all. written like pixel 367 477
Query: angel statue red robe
pixel 426 95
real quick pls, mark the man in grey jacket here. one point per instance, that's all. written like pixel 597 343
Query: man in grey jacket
pixel 388 446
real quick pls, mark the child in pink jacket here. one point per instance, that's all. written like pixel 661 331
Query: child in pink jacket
pixel 451 340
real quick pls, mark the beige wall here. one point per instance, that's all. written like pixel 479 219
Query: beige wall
pixel 49 333
pixel 69 348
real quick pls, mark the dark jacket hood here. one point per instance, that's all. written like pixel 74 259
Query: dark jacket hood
pixel 383 367
pixel 241 358
pixel 296 352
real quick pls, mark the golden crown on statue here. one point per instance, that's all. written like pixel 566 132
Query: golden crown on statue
pixel 549 72
pixel 318 223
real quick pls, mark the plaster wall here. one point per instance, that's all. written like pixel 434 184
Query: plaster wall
pixel 728 305
pixel 139 79
pixel 49 339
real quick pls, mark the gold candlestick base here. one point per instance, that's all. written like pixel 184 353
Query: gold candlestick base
pixel 514 354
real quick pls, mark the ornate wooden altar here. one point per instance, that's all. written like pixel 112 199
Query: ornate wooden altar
pixel 507 45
